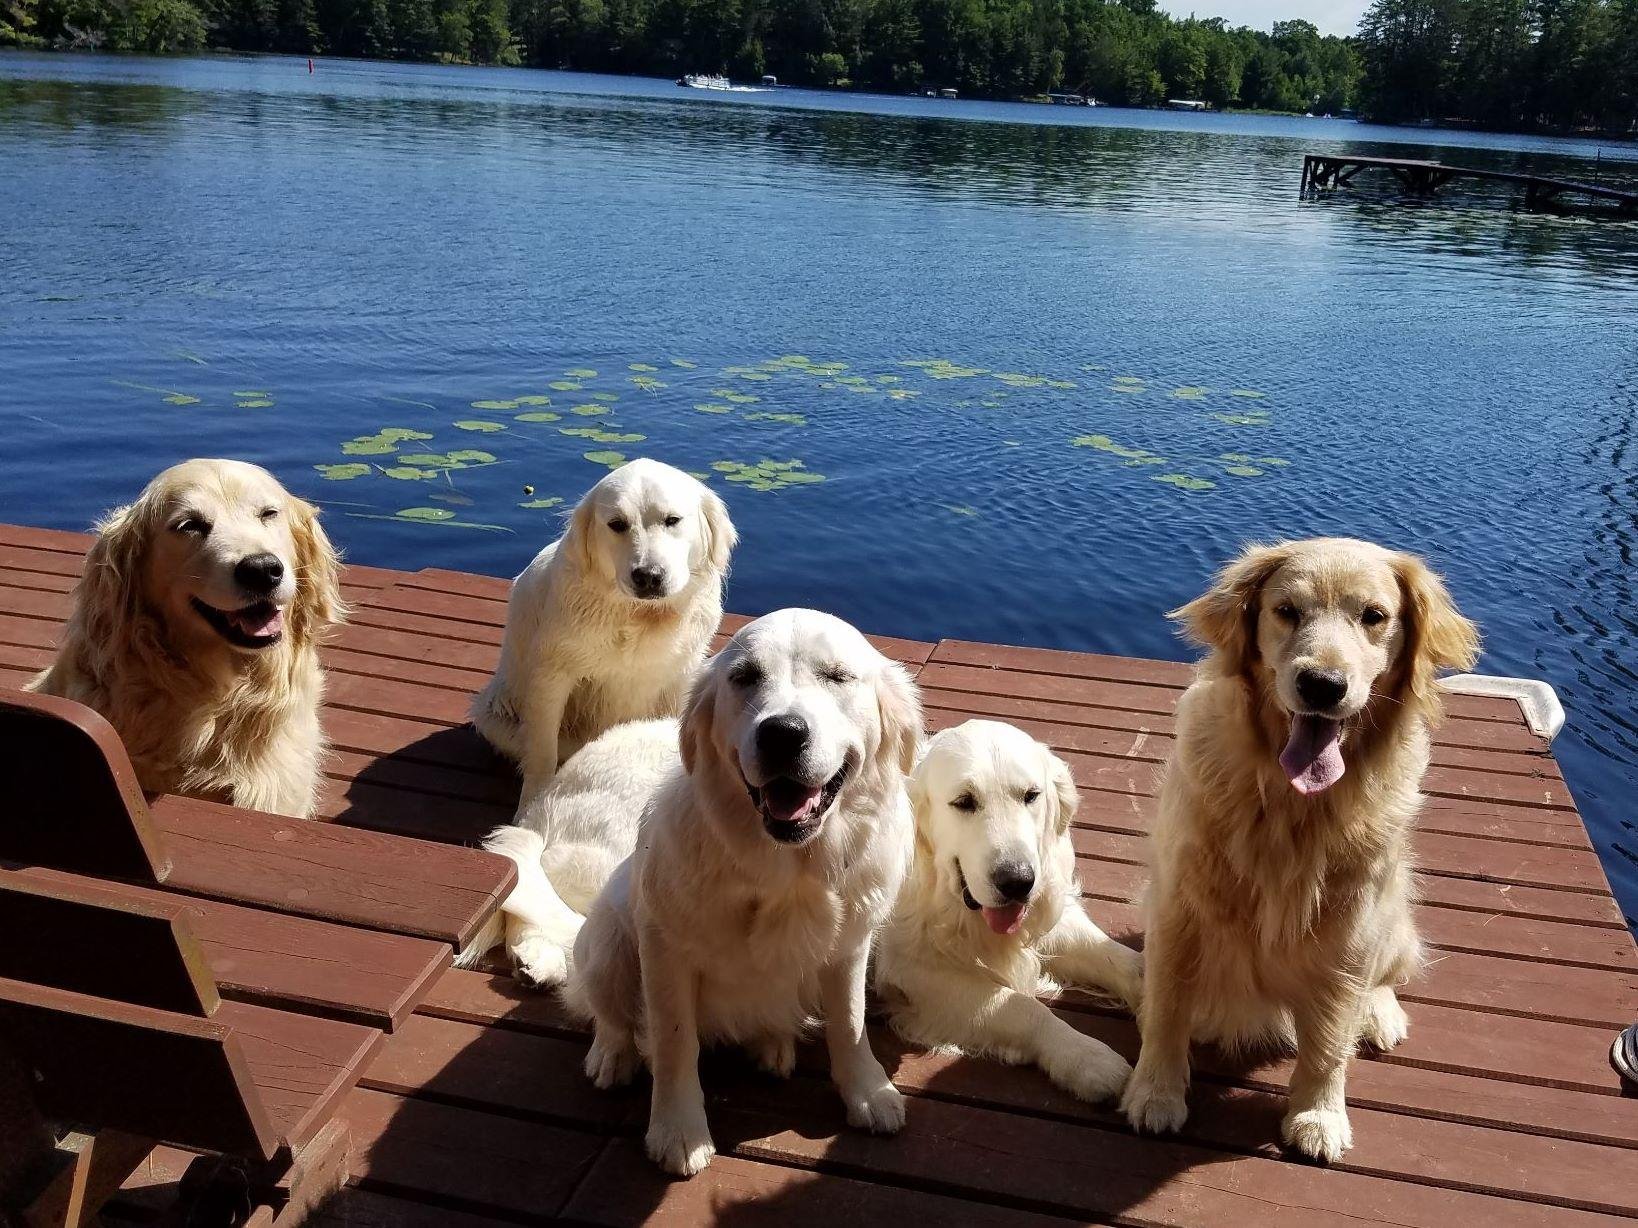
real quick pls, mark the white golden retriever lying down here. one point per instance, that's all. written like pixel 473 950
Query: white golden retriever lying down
pixel 568 842
pixel 764 866
pixel 1280 906
pixel 195 633
pixel 610 622
pixel 991 914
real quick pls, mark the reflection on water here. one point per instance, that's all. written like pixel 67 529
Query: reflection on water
pixel 1026 379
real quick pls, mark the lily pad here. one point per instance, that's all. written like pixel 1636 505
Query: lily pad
pixel 1132 456
pixel 253 392
pixel 959 509
pixel 647 383
pixel 1184 482
pixel 342 473
pixel 1257 417
pixel 564 385
pixel 581 373
pixel 1190 392
pixel 641 366
pixel 257 403
pixel 533 399
pixel 478 424
pixel 598 435
pixel 590 411
pixel 711 407
pixel 407 473
pixel 788 419
pixel 537 504
pixel 684 363
pixel 767 474
pixel 425 513
pixel 384 441
pixel 612 460
pixel 607 397
pixel 497 404
pixel 539 415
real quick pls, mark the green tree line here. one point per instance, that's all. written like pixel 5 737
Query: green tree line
pixel 1503 63
pixel 1121 51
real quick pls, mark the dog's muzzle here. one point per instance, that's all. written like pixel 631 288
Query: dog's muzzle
pixel 792 812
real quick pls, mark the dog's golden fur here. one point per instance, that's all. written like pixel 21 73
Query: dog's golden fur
pixel 1276 914
pixel 197 714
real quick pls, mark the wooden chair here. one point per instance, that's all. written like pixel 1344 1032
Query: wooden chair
pixel 110 1018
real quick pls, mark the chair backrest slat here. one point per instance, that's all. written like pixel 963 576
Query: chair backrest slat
pixel 156 1073
pixel 74 935
pixel 73 801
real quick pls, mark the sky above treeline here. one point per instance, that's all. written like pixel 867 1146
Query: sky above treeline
pixel 1331 16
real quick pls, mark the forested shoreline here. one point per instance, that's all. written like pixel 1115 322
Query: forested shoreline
pixel 1514 64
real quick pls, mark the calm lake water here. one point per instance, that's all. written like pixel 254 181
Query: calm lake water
pixel 1052 366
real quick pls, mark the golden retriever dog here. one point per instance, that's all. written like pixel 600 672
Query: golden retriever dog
pixel 764 865
pixel 991 918
pixel 1280 907
pixel 611 621
pixel 195 632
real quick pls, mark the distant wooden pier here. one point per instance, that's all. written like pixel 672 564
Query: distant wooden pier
pixel 1422 178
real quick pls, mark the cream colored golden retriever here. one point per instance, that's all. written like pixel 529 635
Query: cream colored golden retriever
pixel 610 622
pixel 991 917
pixel 195 632
pixel 1280 904
pixel 763 866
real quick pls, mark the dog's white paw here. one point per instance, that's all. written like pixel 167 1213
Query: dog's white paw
pixel 1385 1023
pixel 878 1109
pixel 1320 1134
pixel 1129 978
pixel 1152 1107
pixel 1091 1070
pixel 611 1065
pixel 537 961
pixel 775 1054
pixel 682 1148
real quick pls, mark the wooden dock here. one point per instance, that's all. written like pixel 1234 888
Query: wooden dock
pixel 1322 172
pixel 1501 1108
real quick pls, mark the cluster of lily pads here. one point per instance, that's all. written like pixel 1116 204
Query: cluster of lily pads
pixel 600 414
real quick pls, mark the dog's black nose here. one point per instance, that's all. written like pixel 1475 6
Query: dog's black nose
pixel 1322 689
pixel 1013 881
pixel 647 581
pixel 780 741
pixel 259 573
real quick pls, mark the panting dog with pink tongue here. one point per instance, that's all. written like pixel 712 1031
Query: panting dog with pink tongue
pixel 1280 900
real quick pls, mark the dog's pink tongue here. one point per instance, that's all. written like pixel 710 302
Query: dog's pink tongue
pixel 1006 919
pixel 1312 759
pixel 788 801
pixel 261 619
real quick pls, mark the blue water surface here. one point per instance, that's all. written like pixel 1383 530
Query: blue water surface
pixel 1052 365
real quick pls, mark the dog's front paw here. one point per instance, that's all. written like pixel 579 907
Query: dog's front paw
pixel 1154 1107
pixel 1385 1023
pixel 537 961
pixel 878 1109
pixel 1090 1070
pixel 1320 1134
pixel 611 1064
pixel 775 1054
pixel 682 1148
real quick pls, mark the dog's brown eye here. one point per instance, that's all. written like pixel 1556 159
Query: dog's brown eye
pixel 1372 615
pixel 269 513
pixel 746 673
pixel 1287 611
pixel 619 526
pixel 966 803
pixel 1031 797
pixel 193 524
pixel 671 522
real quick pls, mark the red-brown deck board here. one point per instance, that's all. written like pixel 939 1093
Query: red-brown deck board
pixel 1500 1107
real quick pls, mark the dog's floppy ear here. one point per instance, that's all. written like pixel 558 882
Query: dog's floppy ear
pixel 578 539
pixel 109 601
pixel 318 575
pixel 1437 636
pixel 719 537
pixel 1224 618
pixel 1066 798
pixel 696 719
pixel 900 706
